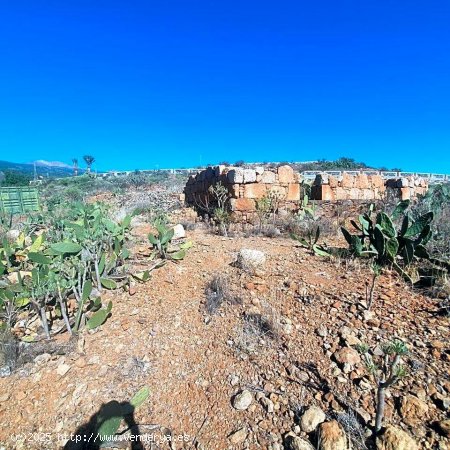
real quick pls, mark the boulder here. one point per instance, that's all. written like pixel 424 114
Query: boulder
pixel 254 190
pixel 293 193
pixel 348 181
pixel 395 438
pixel 311 419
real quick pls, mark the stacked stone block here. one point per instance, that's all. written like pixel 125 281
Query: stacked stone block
pixel 365 187
pixel 245 187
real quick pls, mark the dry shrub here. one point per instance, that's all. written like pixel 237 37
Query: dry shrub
pixel 353 428
pixel 218 291
pixel 257 329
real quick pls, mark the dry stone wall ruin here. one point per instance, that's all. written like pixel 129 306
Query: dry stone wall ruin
pixel 366 187
pixel 246 186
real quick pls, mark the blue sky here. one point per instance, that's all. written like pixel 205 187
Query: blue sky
pixel 144 84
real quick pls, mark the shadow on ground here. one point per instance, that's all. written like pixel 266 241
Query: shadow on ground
pixel 102 427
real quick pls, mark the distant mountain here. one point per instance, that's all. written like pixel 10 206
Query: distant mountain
pixel 43 163
pixel 50 169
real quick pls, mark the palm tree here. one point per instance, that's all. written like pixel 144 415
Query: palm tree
pixel 89 160
pixel 75 166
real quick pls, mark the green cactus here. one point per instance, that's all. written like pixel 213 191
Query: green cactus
pixel 99 317
pixel 310 242
pixel 380 239
pixel 161 241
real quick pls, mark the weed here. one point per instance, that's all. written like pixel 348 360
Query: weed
pixel 217 292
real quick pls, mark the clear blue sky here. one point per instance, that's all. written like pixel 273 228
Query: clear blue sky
pixel 178 83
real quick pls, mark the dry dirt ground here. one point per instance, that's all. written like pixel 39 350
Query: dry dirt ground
pixel 276 336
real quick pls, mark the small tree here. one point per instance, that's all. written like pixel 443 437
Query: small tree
pixel 387 373
pixel 89 160
pixel 220 214
pixel 263 209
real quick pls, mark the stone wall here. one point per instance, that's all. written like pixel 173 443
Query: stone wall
pixel 366 187
pixel 245 187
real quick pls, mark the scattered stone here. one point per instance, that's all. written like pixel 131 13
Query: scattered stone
pixel 413 410
pixel 294 442
pixel 322 331
pixel 332 437
pixel 445 403
pixel 132 290
pixel 4 397
pixel 311 418
pixel 43 358
pixel 62 369
pixel 234 379
pixel 178 232
pixel 394 438
pixel 5 371
pixel 80 362
pixel 352 340
pixel 243 400
pixel 238 436
pixel 347 355
pixel 249 259
pixel 267 403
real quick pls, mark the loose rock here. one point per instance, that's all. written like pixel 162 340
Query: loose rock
pixel 62 369
pixel 413 410
pixel 294 442
pixel 179 232
pixel 312 417
pixel 332 437
pixel 249 260
pixel 394 438
pixel 243 400
pixel 347 355
pixel 238 436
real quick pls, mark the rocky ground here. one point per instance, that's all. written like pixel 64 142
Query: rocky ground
pixel 273 366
